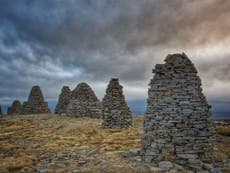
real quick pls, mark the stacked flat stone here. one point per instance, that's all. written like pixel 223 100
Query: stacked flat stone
pixel 0 110
pixel 63 100
pixel 177 123
pixel 35 103
pixel 15 109
pixel 116 113
pixel 84 103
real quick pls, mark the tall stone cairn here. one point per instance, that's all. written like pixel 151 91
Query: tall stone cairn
pixel 35 103
pixel 15 109
pixel 176 123
pixel 1 110
pixel 116 113
pixel 84 103
pixel 63 100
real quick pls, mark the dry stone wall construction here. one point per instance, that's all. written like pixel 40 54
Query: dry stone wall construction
pixel 63 100
pixel 35 103
pixel 1 110
pixel 15 109
pixel 177 123
pixel 84 103
pixel 116 113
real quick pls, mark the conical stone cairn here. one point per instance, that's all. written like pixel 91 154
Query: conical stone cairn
pixel 177 123
pixel 63 100
pixel 116 113
pixel 84 103
pixel 15 109
pixel 1 110
pixel 35 103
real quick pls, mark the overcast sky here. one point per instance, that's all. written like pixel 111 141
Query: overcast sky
pixel 52 43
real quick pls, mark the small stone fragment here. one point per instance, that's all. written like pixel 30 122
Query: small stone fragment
pixel 215 170
pixel 75 171
pixel 82 161
pixel 165 165
pixel 92 152
pixel 131 153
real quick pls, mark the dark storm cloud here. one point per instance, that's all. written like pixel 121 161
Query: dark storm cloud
pixel 56 42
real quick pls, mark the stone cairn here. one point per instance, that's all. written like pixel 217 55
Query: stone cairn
pixel 116 113
pixel 63 100
pixel 84 103
pixel 35 103
pixel 176 123
pixel 15 109
pixel 1 110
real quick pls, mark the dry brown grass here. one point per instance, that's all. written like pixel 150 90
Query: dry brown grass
pixel 223 130
pixel 35 140
pixel 24 140
pixel 17 162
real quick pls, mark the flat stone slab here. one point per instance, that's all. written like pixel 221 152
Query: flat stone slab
pixel 166 165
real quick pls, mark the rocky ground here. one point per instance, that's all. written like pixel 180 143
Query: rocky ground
pixel 58 144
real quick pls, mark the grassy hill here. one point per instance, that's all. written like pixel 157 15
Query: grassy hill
pixel 49 143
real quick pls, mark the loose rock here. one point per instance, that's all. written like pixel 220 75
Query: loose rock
pixel 131 153
pixel 92 152
pixel 165 165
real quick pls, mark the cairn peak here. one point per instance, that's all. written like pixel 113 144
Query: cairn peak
pixel 35 94
pixel 84 102
pixel 114 84
pixel 178 59
pixel 16 103
pixel 15 109
pixel 84 92
pixel 65 88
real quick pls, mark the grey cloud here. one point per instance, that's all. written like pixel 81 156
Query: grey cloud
pixel 58 42
pixel 217 69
